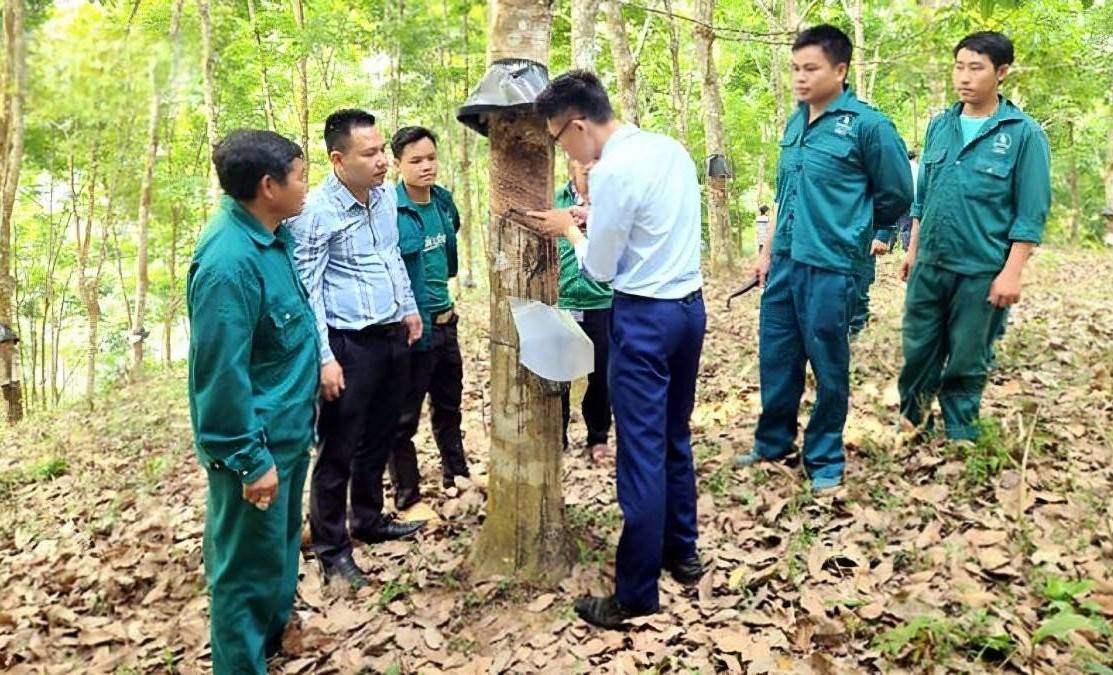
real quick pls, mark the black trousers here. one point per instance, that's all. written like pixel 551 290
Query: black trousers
pixel 596 404
pixel 438 372
pixel 355 437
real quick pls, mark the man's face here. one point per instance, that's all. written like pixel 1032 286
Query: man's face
pixel 814 77
pixel 364 161
pixel 571 132
pixel 579 171
pixel 418 164
pixel 286 199
pixel 975 78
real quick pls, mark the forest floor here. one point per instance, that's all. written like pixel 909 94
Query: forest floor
pixel 995 556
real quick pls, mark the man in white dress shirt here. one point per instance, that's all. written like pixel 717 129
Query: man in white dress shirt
pixel 643 237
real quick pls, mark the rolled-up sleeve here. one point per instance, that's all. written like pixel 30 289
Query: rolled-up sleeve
pixel 1031 189
pixel 311 253
pixel 608 226
pixel 224 310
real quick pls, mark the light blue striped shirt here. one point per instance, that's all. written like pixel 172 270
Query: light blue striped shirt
pixel 347 254
pixel 643 229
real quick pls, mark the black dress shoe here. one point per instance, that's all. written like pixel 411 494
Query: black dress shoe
pixel 605 612
pixel 345 569
pixel 687 571
pixel 390 530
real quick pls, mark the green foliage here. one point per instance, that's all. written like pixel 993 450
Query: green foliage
pixel 930 639
pixel 1067 610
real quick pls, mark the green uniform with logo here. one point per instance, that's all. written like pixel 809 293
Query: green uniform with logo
pixel 253 379
pixel 427 240
pixel 983 185
pixel 838 176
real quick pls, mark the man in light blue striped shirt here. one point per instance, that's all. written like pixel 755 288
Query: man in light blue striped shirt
pixel 348 257
pixel 643 236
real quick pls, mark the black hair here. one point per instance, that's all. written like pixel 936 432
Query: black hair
pixel 763 209
pixel 576 90
pixel 339 125
pixel 995 45
pixel 835 44
pixel 408 135
pixel 244 156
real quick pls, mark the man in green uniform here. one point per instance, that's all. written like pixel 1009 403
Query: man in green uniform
pixel 983 197
pixel 427 225
pixel 589 302
pixel 253 379
pixel 843 168
pixel 865 274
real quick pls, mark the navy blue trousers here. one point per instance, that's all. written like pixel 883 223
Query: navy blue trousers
pixel 805 317
pixel 655 350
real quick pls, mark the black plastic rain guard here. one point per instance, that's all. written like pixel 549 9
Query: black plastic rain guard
pixel 509 84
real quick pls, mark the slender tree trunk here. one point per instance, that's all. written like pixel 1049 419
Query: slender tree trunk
pixel 13 89
pixel 208 95
pixel 268 103
pixel 679 101
pixel 856 11
pixel 1072 184
pixel 584 13
pixel 87 286
pixel 524 532
pixel 175 292
pixel 301 85
pixel 1108 177
pixel 142 283
pixel 467 219
pixel 718 208
pixel 624 64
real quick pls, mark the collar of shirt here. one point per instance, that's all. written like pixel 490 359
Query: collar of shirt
pixel 620 134
pixel 347 200
pixel 846 101
pixel 256 230
pixel 1006 111
pixel 407 202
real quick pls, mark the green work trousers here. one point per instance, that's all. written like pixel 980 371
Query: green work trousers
pixel 948 331
pixel 251 564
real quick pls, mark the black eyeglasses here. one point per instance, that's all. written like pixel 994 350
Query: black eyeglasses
pixel 556 137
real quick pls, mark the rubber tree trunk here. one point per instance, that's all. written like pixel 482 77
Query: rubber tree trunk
pixel 624 63
pixel 208 95
pixel 584 13
pixel 676 89
pixel 524 533
pixel 142 280
pixel 718 207
pixel 301 85
pixel 13 88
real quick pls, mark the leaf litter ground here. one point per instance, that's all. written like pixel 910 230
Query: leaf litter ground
pixel 995 556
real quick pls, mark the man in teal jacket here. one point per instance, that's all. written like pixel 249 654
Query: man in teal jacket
pixel 253 378
pixel 427 225
pixel 982 202
pixel 589 302
pixel 843 167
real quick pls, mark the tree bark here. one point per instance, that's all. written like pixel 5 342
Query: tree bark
pixel 1108 177
pixel 718 208
pixel 142 281
pixel 524 532
pixel 624 64
pixel 301 85
pixel 679 101
pixel 584 13
pixel 208 95
pixel 13 90
pixel 268 102
pixel 856 11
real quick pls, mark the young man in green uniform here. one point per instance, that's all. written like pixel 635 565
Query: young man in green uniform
pixel 589 302
pixel 427 225
pixel 843 167
pixel 253 380
pixel 982 202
